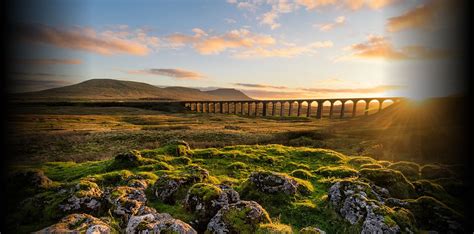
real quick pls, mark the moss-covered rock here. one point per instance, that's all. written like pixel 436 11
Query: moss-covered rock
pixel 237 166
pixel 410 170
pixel 431 171
pixel 274 228
pixel 240 217
pixel 125 201
pixel 85 196
pixel 177 148
pixel 32 179
pixel 394 181
pixel 79 223
pixel 371 166
pixel 360 160
pixel 130 159
pixel 433 215
pixel 274 183
pixel 172 187
pixel 337 171
pixel 311 230
pixel 148 220
pixel 302 174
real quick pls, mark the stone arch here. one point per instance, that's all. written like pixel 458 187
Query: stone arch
pixel 348 108
pixel 373 106
pixel 270 107
pixel 361 103
pixel 259 110
pixel 285 105
pixel 387 102
pixel 293 108
pixel 304 108
pixel 314 108
pixel 336 109
pixel 326 108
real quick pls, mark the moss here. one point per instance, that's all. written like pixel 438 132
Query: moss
pixel 238 221
pixel 432 214
pixel 129 159
pixel 361 160
pixel 321 155
pixel 206 153
pixel 181 161
pixel 111 178
pixel 404 219
pixel 205 191
pixel 394 181
pixel 410 170
pixel 237 166
pixel 431 171
pixel 163 166
pixel 384 163
pixel 302 174
pixel 337 171
pixel 371 166
pixel 299 166
pixel 274 228
pixel 311 230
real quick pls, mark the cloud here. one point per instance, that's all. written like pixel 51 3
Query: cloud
pixel 419 17
pixel 176 73
pixel 26 81
pixel 47 61
pixel 269 19
pixel 260 86
pixel 312 4
pixel 106 43
pixel 376 89
pixel 215 44
pixel 329 26
pixel 283 52
pixel 349 4
pixel 379 47
pixel 230 21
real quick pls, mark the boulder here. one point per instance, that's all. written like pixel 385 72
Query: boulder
pixel 272 183
pixel 148 220
pixel 311 230
pixel 239 217
pixel 33 178
pixel 125 201
pixel 167 186
pixel 86 196
pixel 177 148
pixel 359 202
pixel 78 223
pixel 394 181
pixel 205 200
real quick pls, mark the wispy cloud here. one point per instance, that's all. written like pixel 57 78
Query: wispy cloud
pixel 46 61
pixel 376 89
pixel 329 26
pixel 418 17
pixel 260 86
pixel 34 81
pixel 288 51
pixel 176 73
pixel 87 39
pixel 379 47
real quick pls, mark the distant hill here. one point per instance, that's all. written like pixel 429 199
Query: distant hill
pixel 110 89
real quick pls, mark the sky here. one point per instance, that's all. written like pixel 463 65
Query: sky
pixel 269 49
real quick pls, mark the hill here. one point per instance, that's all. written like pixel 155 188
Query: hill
pixel 109 89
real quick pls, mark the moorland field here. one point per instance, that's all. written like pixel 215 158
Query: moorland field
pixel 123 169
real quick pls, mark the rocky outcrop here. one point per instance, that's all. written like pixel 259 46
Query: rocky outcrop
pixel 85 196
pixel 125 201
pixel 148 220
pixel 240 217
pixel 358 202
pixel 168 185
pixel 272 182
pixel 78 223
pixel 33 178
pixel 205 200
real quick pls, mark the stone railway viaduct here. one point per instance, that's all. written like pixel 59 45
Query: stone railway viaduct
pixel 251 107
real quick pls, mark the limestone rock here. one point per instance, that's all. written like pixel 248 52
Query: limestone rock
pixel 312 230
pixel 125 201
pixel 78 223
pixel 85 196
pixel 272 182
pixel 150 221
pixel 240 217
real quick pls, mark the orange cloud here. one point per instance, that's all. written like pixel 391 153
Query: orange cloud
pixel 284 52
pixel 176 73
pixel 419 17
pixel 48 61
pixel 205 44
pixel 377 47
pixel 329 26
pixel 376 89
pixel 106 43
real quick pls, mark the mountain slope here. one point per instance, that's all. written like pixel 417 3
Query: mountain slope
pixel 109 89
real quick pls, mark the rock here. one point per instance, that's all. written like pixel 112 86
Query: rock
pixel 431 171
pixel 125 201
pixel 150 221
pixel 433 215
pixel 138 184
pixel 33 178
pixel 311 230
pixel 274 228
pixel 79 223
pixel 85 196
pixel 177 148
pixel 205 200
pixel 394 181
pixel 272 182
pixel 358 202
pixel 240 217
pixel 410 170
pixel 167 186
